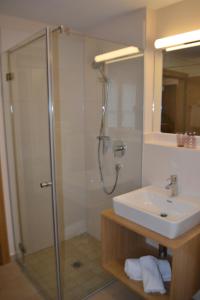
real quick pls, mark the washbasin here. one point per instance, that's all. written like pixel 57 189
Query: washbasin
pixel 151 207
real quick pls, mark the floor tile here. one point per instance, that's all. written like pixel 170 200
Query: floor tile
pixel 115 291
pixel 14 285
pixel 17 287
pixel 88 277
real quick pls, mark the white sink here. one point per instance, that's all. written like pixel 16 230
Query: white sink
pixel 151 207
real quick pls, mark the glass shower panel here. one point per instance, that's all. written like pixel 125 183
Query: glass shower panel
pixel 30 139
pixel 79 93
pixel 125 107
pixel 123 126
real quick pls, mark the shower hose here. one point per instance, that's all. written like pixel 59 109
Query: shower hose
pixel 117 169
pixel 102 137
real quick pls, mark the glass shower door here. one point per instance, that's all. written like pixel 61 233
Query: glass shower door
pixel 79 93
pixel 32 161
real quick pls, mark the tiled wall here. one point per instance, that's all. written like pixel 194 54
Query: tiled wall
pixel 161 161
pixel 80 102
pixel 124 122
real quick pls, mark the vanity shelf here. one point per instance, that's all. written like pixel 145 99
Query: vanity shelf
pixel 116 268
pixel 123 239
pixel 172 146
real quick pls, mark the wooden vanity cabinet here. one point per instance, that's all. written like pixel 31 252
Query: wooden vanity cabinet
pixel 123 239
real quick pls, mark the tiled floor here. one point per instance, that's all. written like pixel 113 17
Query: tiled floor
pixel 115 291
pixel 15 286
pixel 89 277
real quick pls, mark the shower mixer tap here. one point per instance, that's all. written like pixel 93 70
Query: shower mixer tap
pixel 119 148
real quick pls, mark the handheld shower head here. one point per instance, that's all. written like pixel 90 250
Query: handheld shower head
pixel 100 67
pixel 96 65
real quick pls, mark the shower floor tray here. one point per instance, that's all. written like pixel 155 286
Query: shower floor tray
pixel 81 268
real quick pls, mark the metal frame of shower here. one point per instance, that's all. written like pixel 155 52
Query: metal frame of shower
pixel 47 34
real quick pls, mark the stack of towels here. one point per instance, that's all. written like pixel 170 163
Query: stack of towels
pixel 151 270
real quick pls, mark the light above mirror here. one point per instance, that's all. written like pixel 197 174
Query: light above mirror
pixel 184 46
pixel 183 40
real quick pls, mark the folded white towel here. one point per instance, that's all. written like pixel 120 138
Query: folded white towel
pixel 152 281
pixel 133 270
pixel 165 270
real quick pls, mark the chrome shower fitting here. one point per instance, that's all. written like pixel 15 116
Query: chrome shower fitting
pixel 119 148
pixel 104 141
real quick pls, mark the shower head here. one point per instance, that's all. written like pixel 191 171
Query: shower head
pixel 100 67
pixel 96 65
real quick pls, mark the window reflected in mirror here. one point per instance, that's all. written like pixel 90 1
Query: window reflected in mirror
pixel 180 111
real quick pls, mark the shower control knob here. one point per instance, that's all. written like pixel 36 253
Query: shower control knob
pixel 45 184
pixel 119 148
pixel 118 167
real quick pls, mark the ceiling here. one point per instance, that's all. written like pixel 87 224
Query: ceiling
pixel 78 14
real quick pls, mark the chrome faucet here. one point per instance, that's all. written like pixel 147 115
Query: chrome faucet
pixel 172 185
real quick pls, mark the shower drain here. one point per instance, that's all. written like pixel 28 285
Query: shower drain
pixel 163 215
pixel 77 264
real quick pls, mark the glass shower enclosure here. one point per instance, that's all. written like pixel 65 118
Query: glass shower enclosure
pixel 61 160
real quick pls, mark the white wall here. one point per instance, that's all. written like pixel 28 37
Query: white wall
pixel 159 162
pixel 178 18
pixel 15 30
pixel 128 29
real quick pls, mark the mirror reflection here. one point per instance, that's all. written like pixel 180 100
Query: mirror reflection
pixel 180 110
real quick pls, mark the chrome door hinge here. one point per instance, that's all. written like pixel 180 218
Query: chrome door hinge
pixel 22 248
pixel 9 76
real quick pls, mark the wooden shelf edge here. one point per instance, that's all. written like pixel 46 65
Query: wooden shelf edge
pixel 171 145
pixel 147 233
pixel 116 268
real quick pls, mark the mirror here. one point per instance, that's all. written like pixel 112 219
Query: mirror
pixel 179 90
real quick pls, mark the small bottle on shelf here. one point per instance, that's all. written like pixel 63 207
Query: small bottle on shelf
pixel 190 140
pixel 186 140
pixel 194 140
pixel 180 139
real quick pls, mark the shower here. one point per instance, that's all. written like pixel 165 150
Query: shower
pixel 51 139
pixel 104 140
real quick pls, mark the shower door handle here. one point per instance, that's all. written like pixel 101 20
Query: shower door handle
pixel 45 184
